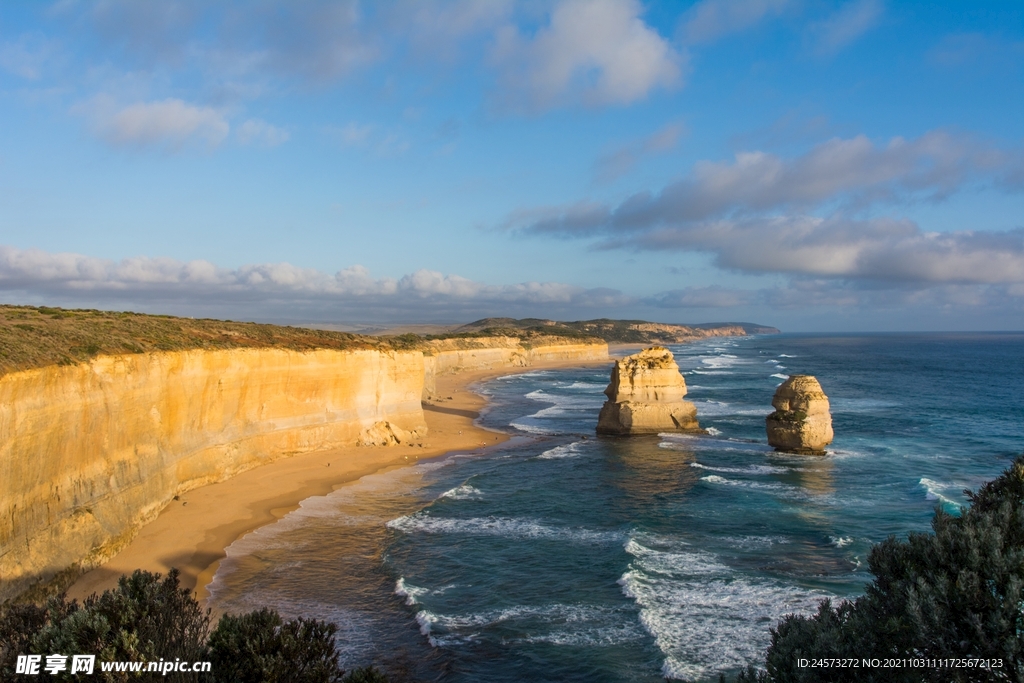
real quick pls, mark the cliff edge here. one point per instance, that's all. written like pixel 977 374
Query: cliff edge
pixel 645 396
pixel 100 428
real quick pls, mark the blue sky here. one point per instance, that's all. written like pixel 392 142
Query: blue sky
pixel 809 164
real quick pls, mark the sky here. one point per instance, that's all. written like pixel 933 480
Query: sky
pixel 816 165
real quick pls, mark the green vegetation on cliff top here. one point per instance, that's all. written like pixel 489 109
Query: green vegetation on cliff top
pixel 613 331
pixel 32 337
pixel 35 337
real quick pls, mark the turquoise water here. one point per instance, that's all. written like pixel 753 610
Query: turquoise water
pixel 560 556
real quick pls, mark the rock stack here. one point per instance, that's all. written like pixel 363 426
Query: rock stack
pixel 645 396
pixel 801 422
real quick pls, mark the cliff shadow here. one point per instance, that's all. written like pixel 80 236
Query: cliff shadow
pixel 468 414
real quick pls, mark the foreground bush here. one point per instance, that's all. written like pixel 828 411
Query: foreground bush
pixel 260 648
pixel 148 618
pixel 955 593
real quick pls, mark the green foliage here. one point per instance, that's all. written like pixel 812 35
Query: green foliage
pixel 955 593
pixel 259 648
pixel 367 674
pixel 148 618
pixel 145 618
pixel 37 337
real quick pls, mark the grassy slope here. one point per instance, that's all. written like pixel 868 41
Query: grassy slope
pixel 37 337
pixel 622 331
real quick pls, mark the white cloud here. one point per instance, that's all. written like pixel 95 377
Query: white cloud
pixel 170 123
pixel 849 23
pixel 277 288
pixel 710 20
pixel 883 250
pixel 854 172
pixel 618 162
pixel 256 131
pixel 755 213
pixel 951 306
pixel 436 28
pixel 593 51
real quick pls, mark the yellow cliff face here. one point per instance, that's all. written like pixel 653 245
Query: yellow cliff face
pixel 450 356
pixel 91 452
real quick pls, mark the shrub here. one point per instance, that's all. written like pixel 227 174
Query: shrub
pixel 259 648
pixel 148 618
pixel 955 593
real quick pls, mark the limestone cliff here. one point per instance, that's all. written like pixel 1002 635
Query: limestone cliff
pixel 645 396
pixel 801 422
pixel 90 452
pixel 462 354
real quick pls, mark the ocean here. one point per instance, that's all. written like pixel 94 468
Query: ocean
pixel 561 556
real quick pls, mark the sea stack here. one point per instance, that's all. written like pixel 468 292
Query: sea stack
pixel 645 396
pixel 801 422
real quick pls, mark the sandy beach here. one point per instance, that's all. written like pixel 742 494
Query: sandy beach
pixel 191 533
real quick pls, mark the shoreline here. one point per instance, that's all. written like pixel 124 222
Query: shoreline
pixel 192 533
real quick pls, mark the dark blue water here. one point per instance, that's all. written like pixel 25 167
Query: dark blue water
pixel 561 556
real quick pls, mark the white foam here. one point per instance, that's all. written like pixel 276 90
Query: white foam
pixel 421 522
pixel 724 360
pixel 534 373
pixel 779 375
pixel 689 442
pixel 712 431
pixel 408 591
pixel 753 469
pixel 586 385
pixel 591 625
pixel 715 479
pixel 569 450
pixel 703 616
pixel 464 492
pixel 559 406
pixel 748 542
pixel 531 428
pixel 712 408
pixel 595 637
pixel 840 541
pixel 772 360
pixel 786 355
pixel 933 491
pixel 334 508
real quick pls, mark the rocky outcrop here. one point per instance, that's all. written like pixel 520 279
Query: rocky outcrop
pixel 645 396
pixel 801 422
pixel 91 452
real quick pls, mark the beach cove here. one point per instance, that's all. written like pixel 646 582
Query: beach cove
pixel 191 533
pixel 560 556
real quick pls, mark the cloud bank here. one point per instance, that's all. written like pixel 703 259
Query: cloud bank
pixel 280 290
pixel 760 213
